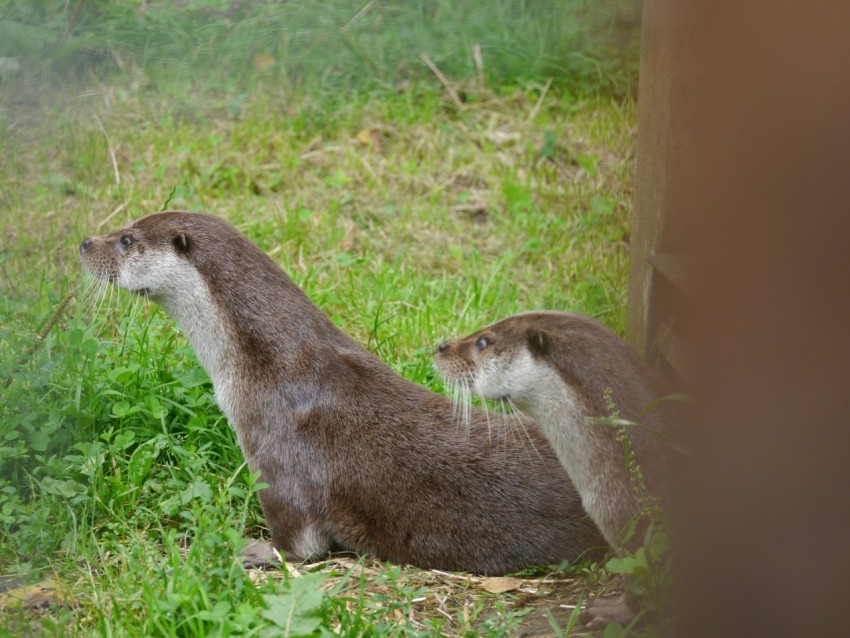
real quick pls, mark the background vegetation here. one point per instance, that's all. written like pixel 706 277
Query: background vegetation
pixel 419 168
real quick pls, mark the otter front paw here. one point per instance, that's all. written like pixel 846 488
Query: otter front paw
pixel 260 554
pixel 601 612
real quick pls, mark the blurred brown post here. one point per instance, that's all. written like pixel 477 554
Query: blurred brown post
pixel 743 162
pixel 658 270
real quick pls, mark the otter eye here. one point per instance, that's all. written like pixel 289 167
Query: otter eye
pixel 126 241
pixel 482 343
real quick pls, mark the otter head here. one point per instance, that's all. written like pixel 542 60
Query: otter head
pixel 505 360
pixel 145 257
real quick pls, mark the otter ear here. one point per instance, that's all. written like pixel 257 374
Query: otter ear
pixel 181 243
pixel 538 342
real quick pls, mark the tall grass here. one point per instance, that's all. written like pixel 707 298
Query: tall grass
pixel 330 44
pixel 320 133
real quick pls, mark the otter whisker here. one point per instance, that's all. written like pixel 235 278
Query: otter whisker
pixel 91 297
pixel 109 305
pixel 137 302
pixel 466 398
pixel 454 394
pixel 461 404
pixel 457 405
pixel 500 421
pixel 486 411
pixel 98 290
pixel 86 288
pixel 101 296
pixel 522 427
pixel 84 285
pixel 489 425
pixel 467 402
pixel 451 389
pixel 507 417
pixel 462 399
pixel 507 427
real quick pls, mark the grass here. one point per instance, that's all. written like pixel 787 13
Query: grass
pixel 324 44
pixel 406 217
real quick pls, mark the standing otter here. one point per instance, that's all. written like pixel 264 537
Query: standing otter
pixel 563 370
pixel 354 455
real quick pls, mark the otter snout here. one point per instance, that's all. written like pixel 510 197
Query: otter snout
pixel 97 258
pixel 452 362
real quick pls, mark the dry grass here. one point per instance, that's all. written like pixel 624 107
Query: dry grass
pixel 460 604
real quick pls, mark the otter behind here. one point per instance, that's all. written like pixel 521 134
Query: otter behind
pixel 563 370
pixel 354 455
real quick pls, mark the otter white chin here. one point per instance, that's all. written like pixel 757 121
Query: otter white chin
pixel 355 456
pixel 563 370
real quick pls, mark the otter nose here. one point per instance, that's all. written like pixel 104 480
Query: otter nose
pixel 85 245
pixel 442 347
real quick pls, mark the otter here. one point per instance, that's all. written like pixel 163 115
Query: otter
pixel 355 456
pixel 563 370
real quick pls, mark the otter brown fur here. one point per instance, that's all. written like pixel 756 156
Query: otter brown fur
pixel 354 455
pixel 563 370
